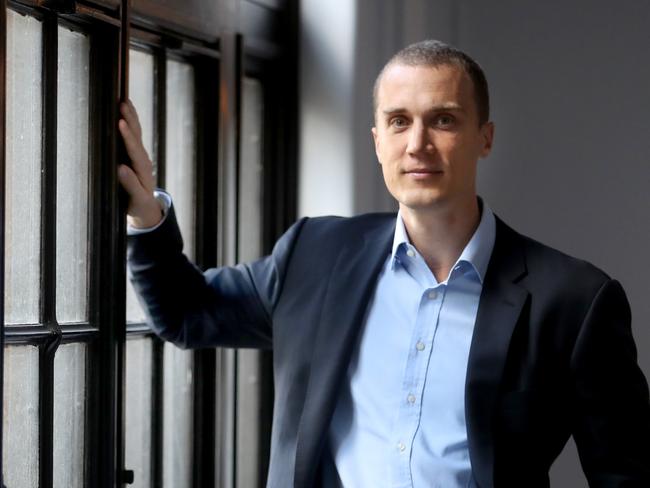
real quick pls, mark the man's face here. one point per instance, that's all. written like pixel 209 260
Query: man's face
pixel 427 135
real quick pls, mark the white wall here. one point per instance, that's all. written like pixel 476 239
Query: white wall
pixel 570 97
pixel 327 71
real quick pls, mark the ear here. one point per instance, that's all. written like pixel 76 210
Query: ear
pixel 375 137
pixel 487 135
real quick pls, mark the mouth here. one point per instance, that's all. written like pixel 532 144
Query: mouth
pixel 421 173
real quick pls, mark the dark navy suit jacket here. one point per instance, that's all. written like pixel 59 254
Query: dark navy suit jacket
pixel 552 353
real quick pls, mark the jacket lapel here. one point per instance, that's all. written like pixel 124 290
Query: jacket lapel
pixel 501 303
pixel 350 288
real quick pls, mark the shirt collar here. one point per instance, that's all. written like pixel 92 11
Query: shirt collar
pixel 478 250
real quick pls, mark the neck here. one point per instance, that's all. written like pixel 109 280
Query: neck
pixel 441 234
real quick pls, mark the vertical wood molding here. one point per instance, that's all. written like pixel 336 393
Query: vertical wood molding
pixel 207 110
pixel 124 475
pixel 48 250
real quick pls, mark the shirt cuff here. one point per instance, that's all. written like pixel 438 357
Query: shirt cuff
pixel 165 201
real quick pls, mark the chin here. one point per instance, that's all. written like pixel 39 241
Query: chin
pixel 421 200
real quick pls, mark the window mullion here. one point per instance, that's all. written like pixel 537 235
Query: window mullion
pixel 107 307
pixel 160 113
pixel 160 117
pixel 207 77
pixel 120 283
pixel 158 412
pixel 46 410
pixel 124 476
pixel 48 249
pixel 48 206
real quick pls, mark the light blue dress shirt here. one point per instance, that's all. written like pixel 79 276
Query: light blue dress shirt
pixel 400 419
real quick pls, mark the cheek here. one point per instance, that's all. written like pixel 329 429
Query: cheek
pixel 463 157
pixel 390 174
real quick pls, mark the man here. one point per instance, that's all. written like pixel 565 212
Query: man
pixel 438 348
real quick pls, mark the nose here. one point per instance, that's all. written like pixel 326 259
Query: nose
pixel 418 141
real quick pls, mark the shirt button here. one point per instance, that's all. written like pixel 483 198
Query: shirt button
pixel 401 446
pixel 411 398
pixel 420 346
pixel 433 294
pixel 410 253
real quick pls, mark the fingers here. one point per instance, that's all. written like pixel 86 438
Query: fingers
pixel 131 183
pixel 138 181
pixel 141 163
pixel 130 114
pixel 144 210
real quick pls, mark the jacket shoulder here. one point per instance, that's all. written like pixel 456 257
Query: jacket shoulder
pixel 554 268
pixel 344 228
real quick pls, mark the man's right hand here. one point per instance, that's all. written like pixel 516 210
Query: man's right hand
pixel 144 210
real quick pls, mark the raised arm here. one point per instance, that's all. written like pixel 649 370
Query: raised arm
pixel 229 306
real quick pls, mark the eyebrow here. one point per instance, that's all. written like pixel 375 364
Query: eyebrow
pixel 436 108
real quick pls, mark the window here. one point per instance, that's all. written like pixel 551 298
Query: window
pixel 91 397
pixel 47 252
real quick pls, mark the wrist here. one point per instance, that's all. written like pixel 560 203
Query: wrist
pixel 147 216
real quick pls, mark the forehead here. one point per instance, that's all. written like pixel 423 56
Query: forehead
pixel 413 86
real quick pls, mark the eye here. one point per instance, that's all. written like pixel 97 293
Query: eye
pixel 398 122
pixel 445 120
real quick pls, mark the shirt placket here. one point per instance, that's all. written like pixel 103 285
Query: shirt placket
pixel 410 410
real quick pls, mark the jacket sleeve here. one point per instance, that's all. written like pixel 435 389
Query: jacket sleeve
pixel 229 306
pixel 611 420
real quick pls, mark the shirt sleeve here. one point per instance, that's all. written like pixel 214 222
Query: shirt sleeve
pixel 165 201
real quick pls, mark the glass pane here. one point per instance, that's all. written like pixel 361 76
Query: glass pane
pixel 141 91
pixel 134 311
pixel 69 415
pixel 23 170
pixel 177 417
pixel 250 247
pixel 20 417
pixel 180 147
pixel 142 84
pixel 138 410
pixel 72 177
pixel 251 172
pixel 248 417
